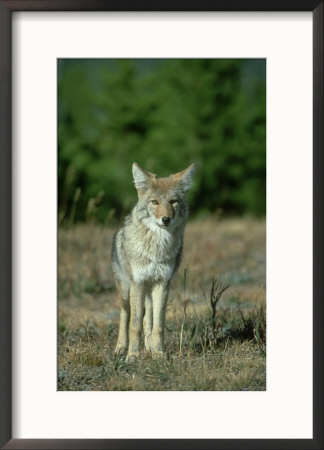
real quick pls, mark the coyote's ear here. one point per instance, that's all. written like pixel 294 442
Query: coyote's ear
pixel 184 178
pixel 142 178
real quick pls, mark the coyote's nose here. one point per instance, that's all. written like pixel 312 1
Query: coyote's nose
pixel 166 220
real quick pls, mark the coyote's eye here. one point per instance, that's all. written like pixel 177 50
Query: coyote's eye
pixel 154 202
pixel 173 201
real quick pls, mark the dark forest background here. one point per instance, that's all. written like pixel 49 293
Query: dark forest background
pixel 163 114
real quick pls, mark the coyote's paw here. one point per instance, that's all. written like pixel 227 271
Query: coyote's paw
pixel 158 355
pixel 132 357
pixel 120 350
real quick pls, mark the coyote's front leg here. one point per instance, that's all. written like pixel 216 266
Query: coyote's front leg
pixel 148 322
pixel 137 294
pixel 159 296
pixel 122 290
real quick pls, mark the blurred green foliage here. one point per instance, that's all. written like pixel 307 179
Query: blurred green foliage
pixel 163 114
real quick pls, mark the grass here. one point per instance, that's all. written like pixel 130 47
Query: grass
pixel 215 320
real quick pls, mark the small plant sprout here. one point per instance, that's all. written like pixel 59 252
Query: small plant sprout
pixel 217 289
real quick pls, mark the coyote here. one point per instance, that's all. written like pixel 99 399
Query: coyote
pixel 145 254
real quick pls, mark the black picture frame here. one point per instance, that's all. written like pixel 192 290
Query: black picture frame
pixel 7 7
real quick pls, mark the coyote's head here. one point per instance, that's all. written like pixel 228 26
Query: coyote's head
pixel 162 201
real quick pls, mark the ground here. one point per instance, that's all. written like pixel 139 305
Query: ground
pixel 212 342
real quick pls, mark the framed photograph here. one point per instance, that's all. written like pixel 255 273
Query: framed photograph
pixel 210 301
pixel 161 225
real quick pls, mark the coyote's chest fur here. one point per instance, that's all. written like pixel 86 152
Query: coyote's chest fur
pixel 155 251
pixel 152 252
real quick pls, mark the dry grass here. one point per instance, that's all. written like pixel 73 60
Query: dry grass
pixel 222 349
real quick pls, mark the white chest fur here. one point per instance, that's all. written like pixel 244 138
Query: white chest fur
pixel 155 255
pixel 152 272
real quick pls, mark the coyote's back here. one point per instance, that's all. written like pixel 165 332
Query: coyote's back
pixel 146 252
